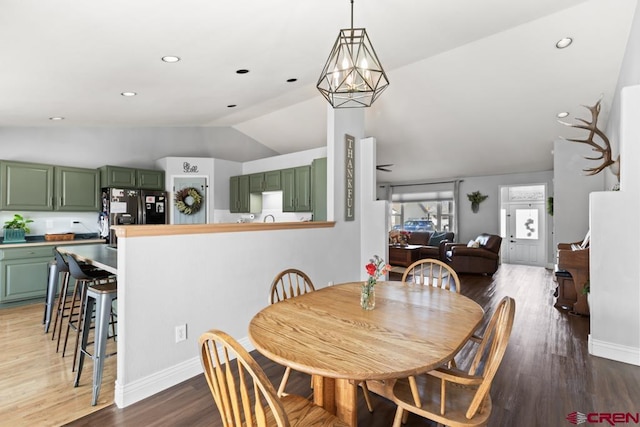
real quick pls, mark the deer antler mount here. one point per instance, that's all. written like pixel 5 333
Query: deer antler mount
pixel 604 150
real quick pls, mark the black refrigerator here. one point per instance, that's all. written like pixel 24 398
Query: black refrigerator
pixel 121 206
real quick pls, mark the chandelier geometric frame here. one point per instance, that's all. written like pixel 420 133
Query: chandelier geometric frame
pixel 353 76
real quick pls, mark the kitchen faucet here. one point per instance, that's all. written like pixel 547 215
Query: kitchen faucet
pixel 267 216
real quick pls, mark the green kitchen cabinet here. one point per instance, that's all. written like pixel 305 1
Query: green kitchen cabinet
pixel 26 186
pixel 272 181
pixel 264 181
pixel 77 189
pixel 23 273
pixel 256 182
pixel 241 200
pixel 147 179
pixel 296 189
pixel 319 189
pixel 38 187
pixel 288 181
pixel 116 176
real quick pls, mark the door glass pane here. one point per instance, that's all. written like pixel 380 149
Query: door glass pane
pixel 527 224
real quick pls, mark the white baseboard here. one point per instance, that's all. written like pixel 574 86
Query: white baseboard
pixel 130 393
pixel 613 351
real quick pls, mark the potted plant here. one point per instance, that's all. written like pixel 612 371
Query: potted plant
pixel 15 229
pixel 476 198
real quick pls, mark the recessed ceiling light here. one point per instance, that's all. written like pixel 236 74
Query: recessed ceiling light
pixel 565 42
pixel 562 115
pixel 56 118
pixel 242 71
pixel 128 94
pixel 292 80
pixel 170 58
pixel 231 106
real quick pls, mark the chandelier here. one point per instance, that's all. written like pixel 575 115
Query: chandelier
pixel 353 76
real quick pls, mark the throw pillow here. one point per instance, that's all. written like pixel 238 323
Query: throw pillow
pixel 473 244
pixel 436 238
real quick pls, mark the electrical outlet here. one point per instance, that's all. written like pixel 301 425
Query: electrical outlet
pixel 181 333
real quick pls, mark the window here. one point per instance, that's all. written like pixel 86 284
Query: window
pixel 427 215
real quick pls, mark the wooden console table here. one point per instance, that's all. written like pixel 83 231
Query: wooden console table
pixel 404 255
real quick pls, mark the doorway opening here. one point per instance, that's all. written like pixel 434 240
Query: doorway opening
pixel 523 225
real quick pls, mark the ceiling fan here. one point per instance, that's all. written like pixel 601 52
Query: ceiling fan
pixel 384 168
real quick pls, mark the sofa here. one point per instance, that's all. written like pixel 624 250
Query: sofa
pixel 480 256
pixel 432 243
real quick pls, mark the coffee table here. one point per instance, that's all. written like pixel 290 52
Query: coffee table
pixel 404 255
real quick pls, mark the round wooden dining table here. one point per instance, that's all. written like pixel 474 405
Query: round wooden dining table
pixel 325 333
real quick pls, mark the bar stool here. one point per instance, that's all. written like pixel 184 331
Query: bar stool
pixel 102 296
pixel 84 278
pixel 50 296
pixel 63 307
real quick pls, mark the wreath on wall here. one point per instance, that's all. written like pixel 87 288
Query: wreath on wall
pixel 188 200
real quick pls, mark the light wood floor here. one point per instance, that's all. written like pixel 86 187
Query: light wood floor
pixel 547 372
pixel 36 383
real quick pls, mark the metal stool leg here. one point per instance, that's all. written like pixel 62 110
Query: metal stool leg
pixel 61 307
pixel 103 296
pixel 50 298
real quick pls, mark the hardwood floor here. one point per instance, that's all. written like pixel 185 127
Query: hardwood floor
pixel 547 372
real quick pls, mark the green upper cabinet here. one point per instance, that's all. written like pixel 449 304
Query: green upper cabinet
pixel 288 181
pixel 77 189
pixel 256 182
pixel 296 189
pixel 241 200
pixel 319 189
pixel 264 181
pixel 150 179
pixel 303 188
pixel 272 181
pixel 116 176
pixel 26 186
pixel 234 194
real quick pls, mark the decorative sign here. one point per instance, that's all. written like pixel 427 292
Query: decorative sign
pixel 349 177
pixel 187 168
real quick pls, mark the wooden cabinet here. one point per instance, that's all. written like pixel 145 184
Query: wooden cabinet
pixel 116 176
pixel 26 186
pixel 149 179
pixel 77 189
pixel 319 189
pixel 264 181
pixel 38 187
pixel 23 272
pixel 272 181
pixel 256 182
pixel 120 177
pixel 296 189
pixel 241 200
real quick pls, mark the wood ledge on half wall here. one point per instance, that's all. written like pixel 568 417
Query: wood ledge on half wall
pixel 177 229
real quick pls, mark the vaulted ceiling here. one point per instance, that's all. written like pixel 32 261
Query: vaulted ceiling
pixel 475 85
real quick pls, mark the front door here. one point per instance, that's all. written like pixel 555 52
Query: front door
pixel 525 239
pixel 193 206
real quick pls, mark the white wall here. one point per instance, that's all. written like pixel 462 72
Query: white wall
pixel 615 253
pixel 571 188
pixel 93 147
pixel 300 158
pixel 221 280
pixel 487 220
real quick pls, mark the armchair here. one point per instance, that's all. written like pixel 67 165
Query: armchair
pixel 483 259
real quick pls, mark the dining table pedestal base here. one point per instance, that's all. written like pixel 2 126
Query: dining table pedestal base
pixel 337 396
